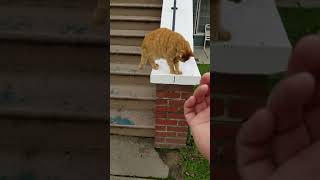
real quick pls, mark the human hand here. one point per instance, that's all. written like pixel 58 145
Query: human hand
pixel 282 141
pixel 197 113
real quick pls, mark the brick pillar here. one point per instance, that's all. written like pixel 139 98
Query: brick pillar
pixel 171 128
pixel 235 98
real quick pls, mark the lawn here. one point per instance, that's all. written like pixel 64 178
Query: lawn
pixel 298 22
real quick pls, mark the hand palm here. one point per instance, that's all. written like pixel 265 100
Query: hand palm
pixel 197 113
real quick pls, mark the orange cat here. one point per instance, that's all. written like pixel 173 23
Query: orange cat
pixel 167 44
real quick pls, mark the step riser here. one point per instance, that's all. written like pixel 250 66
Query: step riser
pixel 126 131
pixel 129 69
pixel 131 104
pixel 124 59
pixel 137 1
pixel 121 11
pixel 49 3
pixel 126 41
pixel 58 92
pixel 43 135
pixel 136 115
pixel 27 70
pixel 132 80
pixel 34 58
pixel 131 25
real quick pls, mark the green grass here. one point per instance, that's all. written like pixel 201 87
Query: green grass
pixel 203 68
pixel 298 22
pixel 193 163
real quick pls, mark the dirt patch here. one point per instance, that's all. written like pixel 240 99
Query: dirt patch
pixel 173 160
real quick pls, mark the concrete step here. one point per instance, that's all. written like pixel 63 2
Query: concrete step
pixel 135 9
pixel 134 22
pixel 44 95
pixel 129 69
pixel 137 1
pixel 132 117
pixel 125 178
pixel 130 50
pixel 136 157
pixel 125 54
pixel 127 37
pixel 131 87
pixel 26 24
pixel 63 58
pixel 81 4
pixel 125 59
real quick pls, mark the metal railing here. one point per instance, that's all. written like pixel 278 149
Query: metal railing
pixel 174 8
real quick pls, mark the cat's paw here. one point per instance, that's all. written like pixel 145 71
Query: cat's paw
pixel 156 67
pixel 140 66
pixel 178 72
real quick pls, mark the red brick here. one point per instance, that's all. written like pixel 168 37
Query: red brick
pixel 165 134
pixel 176 140
pixel 176 116
pixel 173 109
pixel 218 107
pixel 166 122
pixel 161 108
pixel 182 123
pixel 240 85
pixel 167 95
pixel 160 139
pixel 160 102
pixel 185 95
pixel 187 89
pixel 161 115
pixel 177 129
pixel 244 107
pixel 171 87
pixel 181 134
pixel 160 128
pixel 177 103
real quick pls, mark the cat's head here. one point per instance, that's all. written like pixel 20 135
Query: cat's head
pixel 186 52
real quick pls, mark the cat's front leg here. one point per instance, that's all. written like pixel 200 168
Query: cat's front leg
pixel 176 66
pixel 171 66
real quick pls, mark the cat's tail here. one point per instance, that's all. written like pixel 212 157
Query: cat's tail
pixel 143 60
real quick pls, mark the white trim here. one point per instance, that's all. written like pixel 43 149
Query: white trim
pixel 258 45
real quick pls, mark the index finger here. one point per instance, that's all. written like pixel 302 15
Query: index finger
pixel 205 79
pixel 306 56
